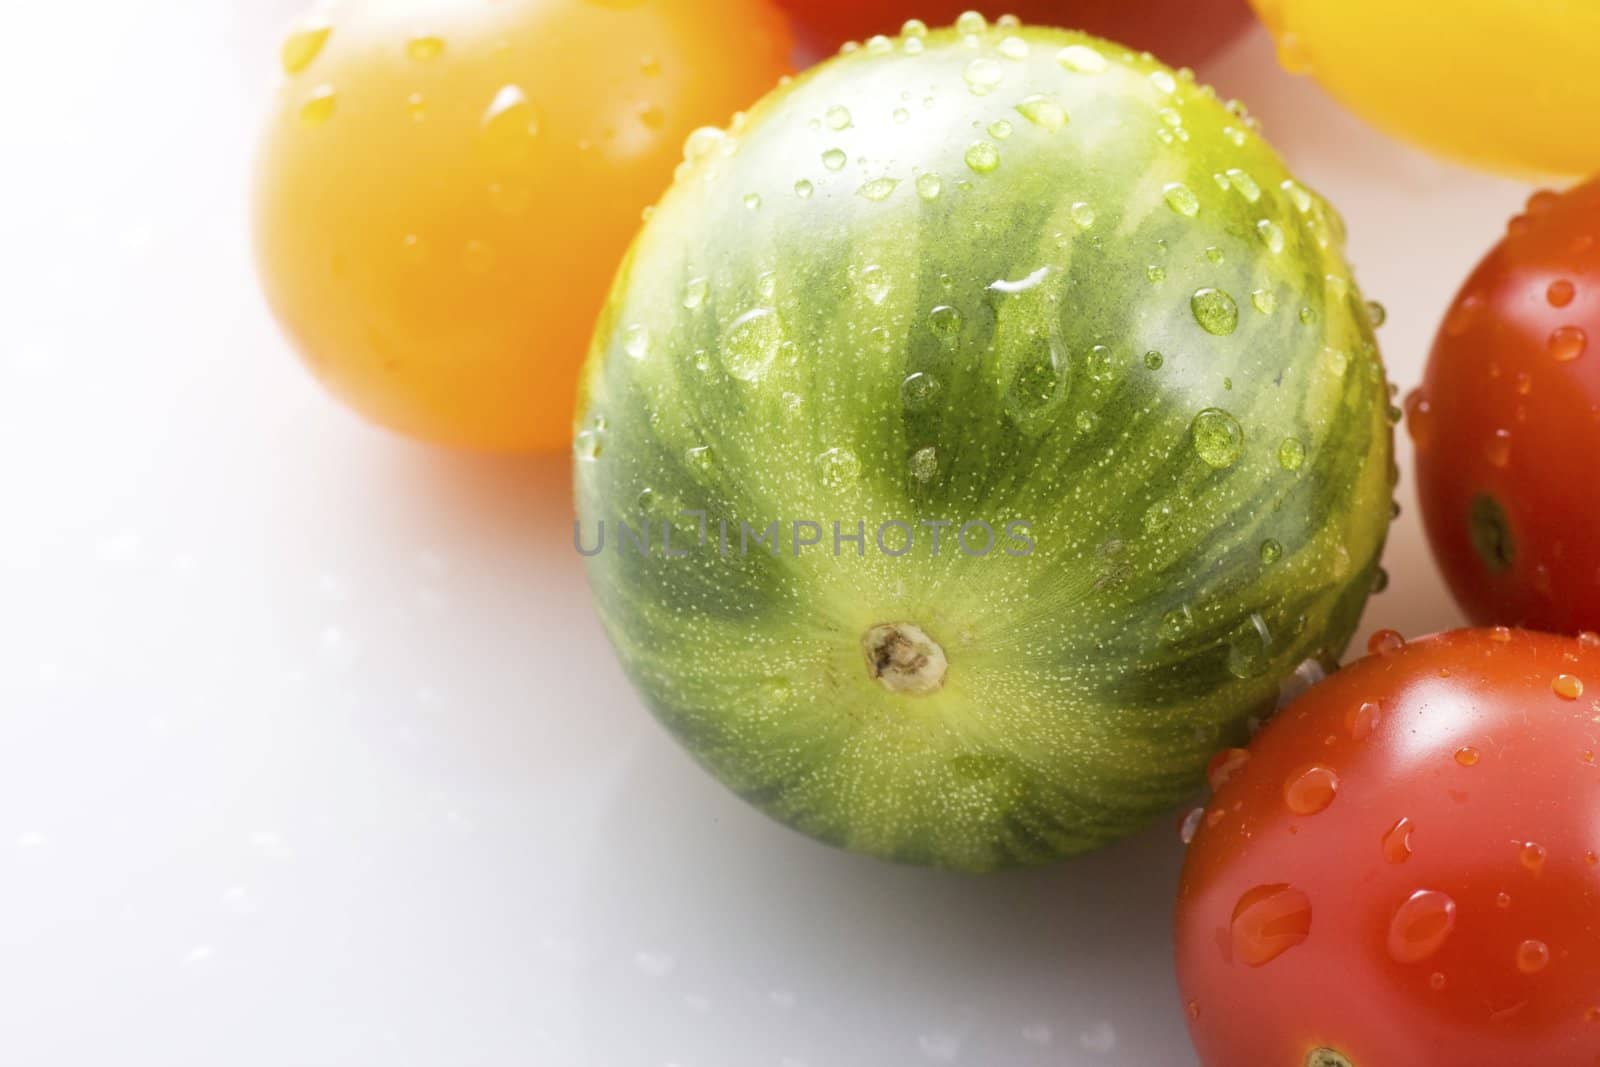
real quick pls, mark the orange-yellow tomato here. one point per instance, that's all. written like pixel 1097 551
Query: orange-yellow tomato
pixel 1503 84
pixel 445 188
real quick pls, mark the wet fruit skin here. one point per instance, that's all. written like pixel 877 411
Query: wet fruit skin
pixel 1179 32
pixel 1527 108
pixel 1507 424
pixel 979 276
pixel 1449 887
pixel 444 189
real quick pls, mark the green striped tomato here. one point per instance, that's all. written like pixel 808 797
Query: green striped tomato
pixel 1055 295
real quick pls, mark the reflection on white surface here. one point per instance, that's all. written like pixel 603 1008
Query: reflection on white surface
pixel 310 749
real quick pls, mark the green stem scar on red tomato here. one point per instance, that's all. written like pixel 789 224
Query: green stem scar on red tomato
pixel 1402 869
pixel 984 275
pixel 1506 424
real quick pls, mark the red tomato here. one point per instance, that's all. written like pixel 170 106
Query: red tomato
pixel 1507 424
pixel 1404 871
pixel 1178 31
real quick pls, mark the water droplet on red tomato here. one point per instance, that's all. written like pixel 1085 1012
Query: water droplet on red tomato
pixel 1268 921
pixel 1463 315
pixel 1436 981
pixel 1421 925
pixel 1397 841
pixel 1532 956
pixel 1467 756
pixel 1560 293
pixel 1567 343
pixel 1362 720
pixel 1501 634
pixel 1567 686
pixel 1588 639
pixel 1532 856
pixel 1502 900
pixel 1542 201
pixel 1419 419
pixel 1310 790
pixel 1385 641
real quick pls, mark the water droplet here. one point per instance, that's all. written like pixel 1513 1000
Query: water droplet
pixel 983 157
pixel 879 45
pixel 417 107
pixel 1502 900
pixel 803 189
pixel 1311 790
pixel 1271 551
pixel 1218 438
pixel 1164 81
pixel 924 463
pixel 838 118
pixel 1362 719
pixel 1421 925
pixel 1181 198
pixel 653 116
pixel 1155 273
pixel 839 467
pixel 752 201
pixel 945 321
pixel 1190 825
pixel 302 47
pixel 510 126
pixel 983 74
pixel 1531 856
pixel 1081 59
pixel 1467 756
pixel 1291 454
pixel 1560 293
pixel 834 159
pixel 914 28
pixel 1268 921
pixel 1044 112
pixel 878 189
pixel 587 445
pixel 1567 686
pixel 1383 642
pixel 751 344
pixel 1377 314
pixel 1463 315
pixel 1013 48
pixel 1271 235
pixel 1567 343
pixel 1000 129
pixel 1153 359
pixel 699 459
pixel 702 143
pixel 1215 311
pixel 1247 648
pixel 1082 214
pixel 919 390
pixel 929 186
pixel 1308 316
pixel 972 23
pixel 319 106
pixel 422 49
pixel 1244 185
pixel 636 340
pixel 1532 956
pixel 1397 841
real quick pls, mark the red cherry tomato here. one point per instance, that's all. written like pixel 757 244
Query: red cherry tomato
pixel 1404 871
pixel 1507 424
pixel 1178 31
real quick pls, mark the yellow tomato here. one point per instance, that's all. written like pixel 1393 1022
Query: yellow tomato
pixel 1504 84
pixel 445 188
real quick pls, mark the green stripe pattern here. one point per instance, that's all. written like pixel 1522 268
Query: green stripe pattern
pixel 985 274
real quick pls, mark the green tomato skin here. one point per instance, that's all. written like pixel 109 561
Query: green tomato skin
pixel 1134 333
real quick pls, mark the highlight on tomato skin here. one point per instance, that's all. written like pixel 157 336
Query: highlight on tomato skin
pixel 444 189
pixel 1506 423
pixel 1178 32
pixel 1404 866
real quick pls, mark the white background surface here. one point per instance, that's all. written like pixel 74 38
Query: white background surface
pixel 311 751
